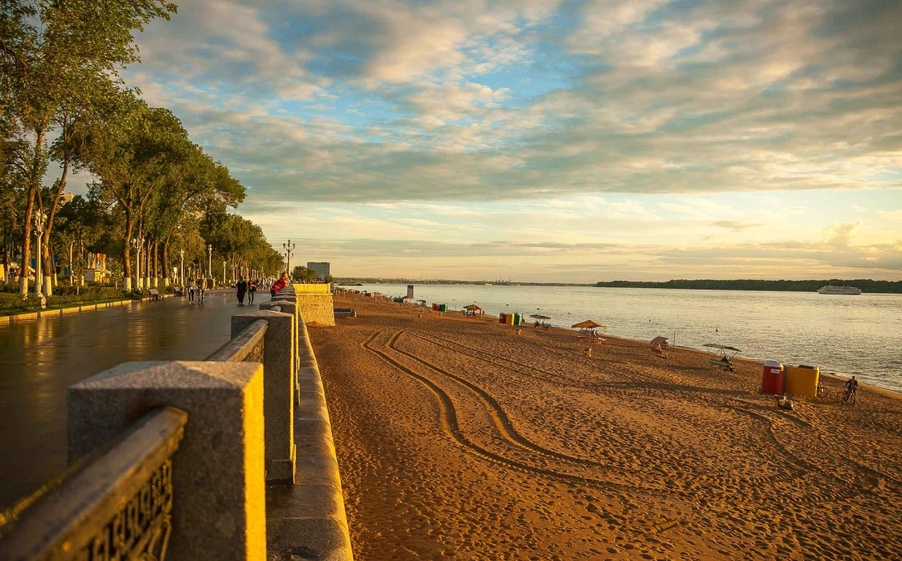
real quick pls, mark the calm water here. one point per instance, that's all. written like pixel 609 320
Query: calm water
pixel 846 335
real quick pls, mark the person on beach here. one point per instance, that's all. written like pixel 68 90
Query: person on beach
pixel 851 388
pixel 278 285
pixel 241 287
pixel 251 290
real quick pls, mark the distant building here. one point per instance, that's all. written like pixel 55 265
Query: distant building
pixel 322 270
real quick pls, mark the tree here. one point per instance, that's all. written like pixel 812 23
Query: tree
pixel 132 151
pixel 51 53
pixel 303 274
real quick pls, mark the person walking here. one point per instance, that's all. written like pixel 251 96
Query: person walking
pixel 191 290
pixel 251 289
pixel 242 290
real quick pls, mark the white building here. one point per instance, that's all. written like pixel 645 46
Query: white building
pixel 322 269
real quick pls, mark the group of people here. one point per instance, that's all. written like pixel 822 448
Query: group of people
pixel 196 290
pixel 248 288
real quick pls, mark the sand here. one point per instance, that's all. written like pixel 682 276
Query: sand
pixel 457 438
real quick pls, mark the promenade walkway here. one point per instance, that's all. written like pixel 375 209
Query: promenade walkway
pixel 40 358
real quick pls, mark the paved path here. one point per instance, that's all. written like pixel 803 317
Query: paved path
pixel 39 359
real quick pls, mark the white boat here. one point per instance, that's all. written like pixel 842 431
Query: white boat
pixel 830 289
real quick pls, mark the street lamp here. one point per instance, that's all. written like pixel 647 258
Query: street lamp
pixel 39 218
pixel 182 267
pixel 289 249
pixel 137 243
pixel 210 265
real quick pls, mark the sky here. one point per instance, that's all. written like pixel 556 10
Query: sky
pixel 551 141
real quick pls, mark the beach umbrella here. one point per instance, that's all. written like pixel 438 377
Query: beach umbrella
pixel 539 316
pixel 588 324
pixel 658 341
pixel 472 307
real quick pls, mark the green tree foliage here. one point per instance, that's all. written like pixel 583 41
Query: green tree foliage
pixel 53 54
pixel 303 274
pixel 60 65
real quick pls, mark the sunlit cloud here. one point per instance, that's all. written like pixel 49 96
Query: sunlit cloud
pixel 667 129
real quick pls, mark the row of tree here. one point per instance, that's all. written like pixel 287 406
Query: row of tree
pixel 62 101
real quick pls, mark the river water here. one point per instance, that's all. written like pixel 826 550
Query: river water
pixel 845 335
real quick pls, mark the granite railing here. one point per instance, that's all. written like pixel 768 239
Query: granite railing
pixel 196 460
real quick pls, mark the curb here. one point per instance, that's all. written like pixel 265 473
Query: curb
pixel 27 316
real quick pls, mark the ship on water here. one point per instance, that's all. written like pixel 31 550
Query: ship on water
pixel 830 289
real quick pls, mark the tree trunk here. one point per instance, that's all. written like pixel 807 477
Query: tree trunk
pixel 6 277
pixel 156 264
pixel 126 251
pixel 167 267
pixel 46 250
pixel 33 186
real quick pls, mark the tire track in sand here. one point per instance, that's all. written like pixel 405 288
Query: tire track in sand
pixel 800 467
pixel 451 427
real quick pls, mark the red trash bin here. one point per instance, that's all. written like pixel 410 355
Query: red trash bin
pixel 772 378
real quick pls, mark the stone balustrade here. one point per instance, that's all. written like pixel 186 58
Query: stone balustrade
pixel 255 476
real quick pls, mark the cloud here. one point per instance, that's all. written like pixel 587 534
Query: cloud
pixel 476 100
pixel 592 137
pixel 735 225
pixel 839 235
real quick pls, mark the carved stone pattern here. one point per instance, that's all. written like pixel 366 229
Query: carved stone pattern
pixel 256 354
pixel 140 530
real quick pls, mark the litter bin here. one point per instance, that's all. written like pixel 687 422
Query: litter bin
pixel 518 319
pixel 802 380
pixel 502 318
pixel 509 319
pixel 443 307
pixel 772 378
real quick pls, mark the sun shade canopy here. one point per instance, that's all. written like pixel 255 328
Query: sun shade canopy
pixel 724 347
pixel 588 324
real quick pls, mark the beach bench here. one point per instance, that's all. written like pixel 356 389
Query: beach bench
pixel 155 294
pixel 717 363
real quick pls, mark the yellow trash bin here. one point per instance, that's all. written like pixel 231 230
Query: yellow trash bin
pixel 802 380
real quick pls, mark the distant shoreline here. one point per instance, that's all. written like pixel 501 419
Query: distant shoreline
pixel 867 286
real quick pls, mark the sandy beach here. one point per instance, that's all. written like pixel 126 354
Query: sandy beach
pixel 457 438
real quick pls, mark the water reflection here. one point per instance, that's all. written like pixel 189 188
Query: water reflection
pixel 40 358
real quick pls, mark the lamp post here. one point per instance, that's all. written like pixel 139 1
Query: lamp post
pixel 182 267
pixel 210 265
pixel 289 249
pixel 39 218
pixel 137 243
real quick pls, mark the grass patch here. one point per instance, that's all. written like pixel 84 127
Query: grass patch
pixel 12 303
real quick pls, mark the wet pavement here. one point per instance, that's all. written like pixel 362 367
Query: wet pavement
pixel 40 358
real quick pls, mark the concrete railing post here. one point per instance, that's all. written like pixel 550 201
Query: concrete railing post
pixel 279 383
pixel 288 306
pixel 219 500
